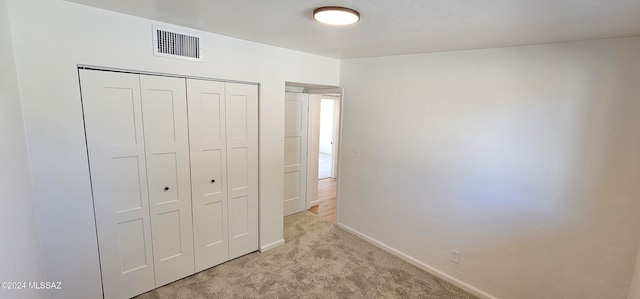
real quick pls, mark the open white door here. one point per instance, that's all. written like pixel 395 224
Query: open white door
pixel 295 152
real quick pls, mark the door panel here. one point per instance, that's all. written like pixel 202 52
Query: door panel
pixel 292 180
pixel 132 247
pixel 292 147
pixel 207 130
pixel 238 113
pixel 164 107
pixel 170 238
pixel 242 146
pixel 212 161
pixel 125 175
pixel 239 173
pixel 214 233
pixel 239 216
pixel 159 123
pixel 113 122
pixel 295 152
pixel 166 176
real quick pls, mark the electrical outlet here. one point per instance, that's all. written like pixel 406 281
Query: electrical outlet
pixel 356 153
pixel 455 256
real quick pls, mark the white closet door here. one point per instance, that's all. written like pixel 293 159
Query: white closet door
pixel 113 122
pixel 295 152
pixel 207 130
pixel 164 108
pixel 242 167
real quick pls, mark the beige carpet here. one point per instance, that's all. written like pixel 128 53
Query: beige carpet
pixel 319 260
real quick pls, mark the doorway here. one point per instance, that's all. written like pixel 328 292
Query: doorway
pixel 325 207
pixel 311 149
pixel 324 123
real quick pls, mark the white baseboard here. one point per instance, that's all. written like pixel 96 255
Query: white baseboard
pixel 272 245
pixel 454 281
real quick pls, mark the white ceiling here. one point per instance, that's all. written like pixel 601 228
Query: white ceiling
pixel 390 27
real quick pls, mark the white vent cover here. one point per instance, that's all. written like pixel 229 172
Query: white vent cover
pixel 176 44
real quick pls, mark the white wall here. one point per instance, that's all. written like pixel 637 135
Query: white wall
pixel 51 38
pixel 20 253
pixel 524 159
pixel 326 126
pixel 634 290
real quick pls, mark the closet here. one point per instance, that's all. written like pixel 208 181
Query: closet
pixel 174 175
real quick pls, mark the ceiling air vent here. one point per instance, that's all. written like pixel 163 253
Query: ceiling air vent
pixel 176 44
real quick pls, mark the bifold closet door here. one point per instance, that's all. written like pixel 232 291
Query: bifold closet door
pixel 164 108
pixel 139 129
pixel 115 141
pixel 207 131
pixel 242 167
pixel 223 134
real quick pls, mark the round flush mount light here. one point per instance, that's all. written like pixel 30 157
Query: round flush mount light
pixel 336 15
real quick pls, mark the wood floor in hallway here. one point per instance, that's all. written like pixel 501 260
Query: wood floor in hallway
pixel 326 207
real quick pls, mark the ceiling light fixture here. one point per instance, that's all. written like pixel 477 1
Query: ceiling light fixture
pixel 335 15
